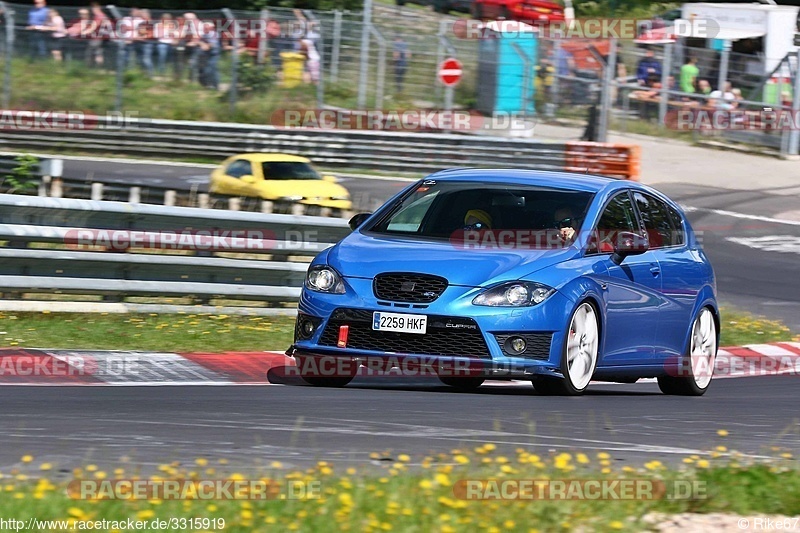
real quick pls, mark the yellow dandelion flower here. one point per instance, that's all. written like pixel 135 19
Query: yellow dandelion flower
pixel 403 458
pixel 26 458
pixel 722 432
pixel 616 524
pixel 461 459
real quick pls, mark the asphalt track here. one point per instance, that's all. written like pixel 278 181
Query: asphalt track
pixel 298 425
pixel 295 424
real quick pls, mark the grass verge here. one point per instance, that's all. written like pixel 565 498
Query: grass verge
pixel 181 333
pixel 218 333
pixel 401 493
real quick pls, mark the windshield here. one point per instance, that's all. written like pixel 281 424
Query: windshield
pixel 283 170
pixel 439 210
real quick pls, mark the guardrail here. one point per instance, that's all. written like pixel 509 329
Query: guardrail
pixel 105 250
pixel 381 150
pixel 49 183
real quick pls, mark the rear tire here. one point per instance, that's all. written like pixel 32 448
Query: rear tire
pixel 698 363
pixel 462 383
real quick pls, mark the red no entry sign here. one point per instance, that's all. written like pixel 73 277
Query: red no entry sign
pixel 450 71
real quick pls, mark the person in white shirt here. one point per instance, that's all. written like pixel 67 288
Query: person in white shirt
pixel 58 29
pixel 720 100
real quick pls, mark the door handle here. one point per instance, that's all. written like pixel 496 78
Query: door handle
pixel 655 271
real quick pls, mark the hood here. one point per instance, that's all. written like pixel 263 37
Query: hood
pixel 365 256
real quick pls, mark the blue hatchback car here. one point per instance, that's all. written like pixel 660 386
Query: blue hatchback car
pixel 551 277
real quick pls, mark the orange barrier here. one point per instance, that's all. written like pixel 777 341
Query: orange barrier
pixel 617 160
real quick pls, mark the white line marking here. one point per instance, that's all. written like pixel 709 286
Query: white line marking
pixel 734 214
pixel 770 243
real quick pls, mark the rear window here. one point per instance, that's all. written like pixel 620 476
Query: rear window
pixel 282 170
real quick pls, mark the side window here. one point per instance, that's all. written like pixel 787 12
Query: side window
pixel 657 220
pixel 617 216
pixel 679 237
pixel 239 168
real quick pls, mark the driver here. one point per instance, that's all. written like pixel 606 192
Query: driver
pixel 477 219
pixel 565 223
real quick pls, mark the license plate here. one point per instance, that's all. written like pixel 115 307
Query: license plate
pixel 399 322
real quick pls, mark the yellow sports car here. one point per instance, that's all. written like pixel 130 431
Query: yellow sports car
pixel 278 177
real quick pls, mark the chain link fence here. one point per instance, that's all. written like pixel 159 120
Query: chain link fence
pixel 284 59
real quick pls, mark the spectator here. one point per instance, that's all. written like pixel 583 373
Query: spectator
pixel 55 25
pixel 565 71
pixel 210 49
pixel 689 73
pixel 144 41
pixel 129 32
pixel 400 56
pixel 312 61
pixel 703 87
pixel 95 50
pixel 648 71
pixel 165 33
pixel 37 24
pixel 723 100
pixel 191 43
pixel 277 43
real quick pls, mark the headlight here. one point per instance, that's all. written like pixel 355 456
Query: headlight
pixel 340 197
pixel 514 294
pixel 323 278
pixel 291 198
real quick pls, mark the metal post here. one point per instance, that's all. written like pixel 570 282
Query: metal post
pixel 232 92
pixel 120 73
pixel 556 81
pixel 666 67
pixel 9 53
pixel 724 58
pixel 364 66
pixel 337 42
pixel 381 68
pixel 441 50
pixel 609 79
pixel 321 68
pixel 262 43
pixel 794 134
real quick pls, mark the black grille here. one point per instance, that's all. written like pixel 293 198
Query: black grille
pixel 537 344
pixel 415 288
pixel 446 336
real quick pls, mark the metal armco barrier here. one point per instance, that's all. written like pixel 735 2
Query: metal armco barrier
pixel 206 256
pixel 386 151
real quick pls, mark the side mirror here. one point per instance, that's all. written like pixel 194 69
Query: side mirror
pixel 358 219
pixel 247 178
pixel 628 243
pixel 331 179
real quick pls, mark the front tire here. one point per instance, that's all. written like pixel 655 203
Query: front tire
pixel 311 374
pixel 578 357
pixel 698 363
